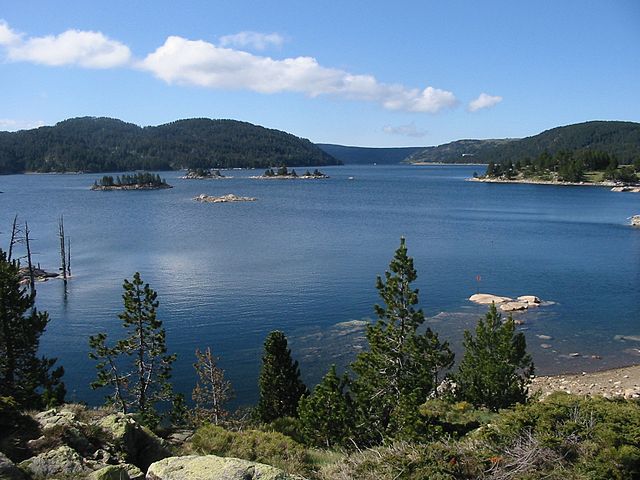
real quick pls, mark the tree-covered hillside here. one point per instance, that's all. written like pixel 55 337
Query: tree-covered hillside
pixel 92 144
pixel 621 139
pixel 368 155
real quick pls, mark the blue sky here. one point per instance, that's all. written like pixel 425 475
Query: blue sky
pixel 369 73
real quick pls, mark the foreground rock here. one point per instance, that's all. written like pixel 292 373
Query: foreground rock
pixel 223 199
pixel 211 467
pixel 63 462
pixel 8 471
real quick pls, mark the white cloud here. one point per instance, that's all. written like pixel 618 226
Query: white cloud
pixel 8 124
pixel 255 40
pixel 74 47
pixel 188 62
pixel 7 35
pixel 408 130
pixel 483 101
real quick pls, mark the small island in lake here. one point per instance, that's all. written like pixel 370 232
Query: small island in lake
pixel 223 199
pixel 203 174
pixel 138 181
pixel 283 173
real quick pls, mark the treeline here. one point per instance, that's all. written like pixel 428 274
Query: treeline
pixel 568 167
pixel 91 144
pixel 621 139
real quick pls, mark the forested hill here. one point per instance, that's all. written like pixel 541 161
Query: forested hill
pixel 368 155
pixel 621 139
pixel 92 144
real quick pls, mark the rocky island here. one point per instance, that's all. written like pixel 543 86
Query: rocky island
pixel 283 173
pixel 203 174
pixel 506 304
pixel 635 221
pixel 230 197
pixel 138 181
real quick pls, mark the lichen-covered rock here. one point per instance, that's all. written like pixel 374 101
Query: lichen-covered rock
pixel 110 472
pixel 63 462
pixel 8 471
pixel 212 467
pixel 139 444
pixel 56 418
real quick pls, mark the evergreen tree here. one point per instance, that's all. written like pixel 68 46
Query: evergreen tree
pixel 401 367
pixel 326 415
pixel 212 390
pixel 27 378
pixel 496 369
pixel 279 382
pixel 137 368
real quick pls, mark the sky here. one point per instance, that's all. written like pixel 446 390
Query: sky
pixel 366 73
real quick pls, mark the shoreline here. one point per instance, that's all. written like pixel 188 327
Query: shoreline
pixel 545 182
pixel 610 383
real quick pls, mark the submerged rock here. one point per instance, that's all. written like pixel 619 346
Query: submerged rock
pixel 210 467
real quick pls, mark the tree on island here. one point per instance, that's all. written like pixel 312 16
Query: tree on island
pixel 280 385
pixel 24 376
pixel 401 367
pixel 137 368
pixel 496 369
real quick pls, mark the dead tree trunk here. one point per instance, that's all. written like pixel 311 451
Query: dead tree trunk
pixel 15 231
pixel 69 256
pixel 32 279
pixel 63 255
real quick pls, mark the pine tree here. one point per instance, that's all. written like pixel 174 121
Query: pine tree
pixel 27 378
pixel 136 367
pixel 326 415
pixel 496 369
pixel 279 382
pixel 212 390
pixel 401 367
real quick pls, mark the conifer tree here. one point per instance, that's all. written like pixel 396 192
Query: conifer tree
pixel 137 367
pixel 27 378
pixel 326 415
pixel 496 369
pixel 280 384
pixel 401 367
pixel 212 390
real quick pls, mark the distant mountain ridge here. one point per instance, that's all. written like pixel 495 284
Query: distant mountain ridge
pixel 97 144
pixel 368 155
pixel 621 139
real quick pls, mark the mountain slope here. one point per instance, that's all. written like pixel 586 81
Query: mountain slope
pixel 368 155
pixel 92 144
pixel 621 139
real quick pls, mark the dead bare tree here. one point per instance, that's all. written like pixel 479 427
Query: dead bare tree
pixel 15 236
pixel 63 255
pixel 32 279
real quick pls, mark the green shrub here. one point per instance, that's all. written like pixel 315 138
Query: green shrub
pixel 271 448
pixel 288 426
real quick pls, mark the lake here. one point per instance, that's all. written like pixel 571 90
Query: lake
pixel 304 257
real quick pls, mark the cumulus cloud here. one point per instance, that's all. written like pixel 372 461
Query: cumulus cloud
pixel 254 40
pixel 196 62
pixel 409 130
pixel 73 47
pixel 484 101
pixel 7 35
pixel 9 124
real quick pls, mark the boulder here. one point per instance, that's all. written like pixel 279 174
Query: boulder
pixel 212 467
pixel 635 221
pixel 532 300
pixel 488 299
pixel 513 306
pixel 110 472
pixel 8 471
pixel 139 444
pixel 63 462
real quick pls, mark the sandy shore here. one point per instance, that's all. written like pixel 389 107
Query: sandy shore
pixel 618 382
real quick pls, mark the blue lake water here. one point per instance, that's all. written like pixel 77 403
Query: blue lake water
pixel 304 257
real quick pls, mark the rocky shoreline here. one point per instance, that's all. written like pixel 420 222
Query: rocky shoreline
pixel 229 198
pixel 615 383
pixel 545 182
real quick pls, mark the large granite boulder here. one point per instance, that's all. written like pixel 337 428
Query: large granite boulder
pixel 8 471
pixel 212 467
pixel 139 444
pixel 62 462
pixel 488 299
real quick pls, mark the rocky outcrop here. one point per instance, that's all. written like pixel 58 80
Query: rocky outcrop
pixel 212 467
pixel 139 444
pixel 63 462
pixel 8 471
pixel 514 306
pixel 506 304
pixel 223 199
pixel 488 299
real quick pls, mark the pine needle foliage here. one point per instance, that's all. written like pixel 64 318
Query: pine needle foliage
pixel 496 369
pixel 402 366
pixel 280 384
pixel 137 368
